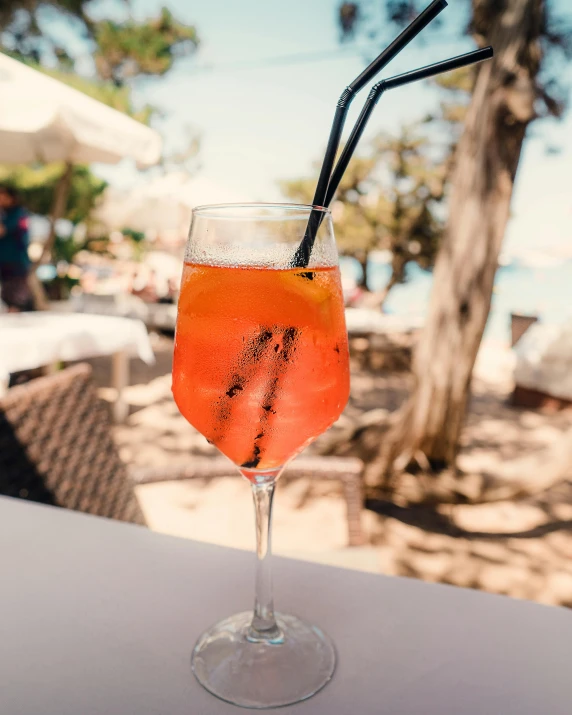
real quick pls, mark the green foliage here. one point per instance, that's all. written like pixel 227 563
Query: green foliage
pixel 36 185
pixel 372 19
pixel 60 287
pixel 417 183
pixel 348 17
pixel 66 249
pixel 135 236
pixel 404 217
pixel 388 200
pixel 125 50
pixel 114 96
pixel 122 51
pixel 19 20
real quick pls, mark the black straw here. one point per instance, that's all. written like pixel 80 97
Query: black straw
pixel 377 90
pixel 302 255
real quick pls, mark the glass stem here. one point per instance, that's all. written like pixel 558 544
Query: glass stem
pixel 264 626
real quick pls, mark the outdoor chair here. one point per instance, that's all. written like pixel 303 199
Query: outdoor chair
pixel 347 470
pixel 56 447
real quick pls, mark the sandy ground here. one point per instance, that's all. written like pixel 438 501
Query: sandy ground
pixel 534 561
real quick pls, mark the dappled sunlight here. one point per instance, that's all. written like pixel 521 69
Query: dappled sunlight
pixel 533 562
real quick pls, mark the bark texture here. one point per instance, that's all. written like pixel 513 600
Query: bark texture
pixel 428 428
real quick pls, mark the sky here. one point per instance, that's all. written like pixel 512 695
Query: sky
pixel 263 118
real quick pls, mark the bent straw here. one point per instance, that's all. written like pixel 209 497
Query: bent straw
pixel 378 89
pixel 302 255
pixel 290 335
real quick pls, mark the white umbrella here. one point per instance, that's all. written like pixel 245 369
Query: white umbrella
pixel 158 218
pixel 162 204
pixel 164 264
pixel 42 119
pixel 191 191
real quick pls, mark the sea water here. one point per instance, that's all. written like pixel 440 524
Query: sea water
pixel 543 291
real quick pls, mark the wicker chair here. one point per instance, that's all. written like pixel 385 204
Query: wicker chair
pixel 56 448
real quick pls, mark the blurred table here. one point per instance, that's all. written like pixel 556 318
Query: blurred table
pixel 98 617
pixel 364 321
pixel 379 341
pixel 32 340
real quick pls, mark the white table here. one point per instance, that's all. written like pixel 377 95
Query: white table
pixel 364 321
pixel 32 340
pixel 99 618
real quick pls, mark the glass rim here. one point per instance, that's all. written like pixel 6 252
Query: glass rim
pixel 219 210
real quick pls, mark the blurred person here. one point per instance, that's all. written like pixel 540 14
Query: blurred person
pixel 14 260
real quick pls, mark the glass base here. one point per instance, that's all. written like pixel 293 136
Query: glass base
pixel 253 674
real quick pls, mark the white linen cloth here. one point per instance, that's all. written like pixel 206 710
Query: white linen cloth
pixel 363 320
pixel 42 119
pixel 99 618
pixel 31 340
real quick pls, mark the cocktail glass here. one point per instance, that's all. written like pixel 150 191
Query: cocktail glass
pixel 261 370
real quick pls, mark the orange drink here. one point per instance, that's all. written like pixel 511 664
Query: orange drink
pixel 261 358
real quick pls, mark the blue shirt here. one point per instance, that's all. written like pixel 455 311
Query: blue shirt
pixel 14 242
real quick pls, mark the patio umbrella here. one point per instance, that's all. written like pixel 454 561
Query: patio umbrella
pixel 42 119
pixel 162 204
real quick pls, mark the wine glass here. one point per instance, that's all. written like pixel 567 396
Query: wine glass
pixel 261 369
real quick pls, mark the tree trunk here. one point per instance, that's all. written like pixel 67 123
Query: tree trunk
pixel 502 106
pixel 363 259
pixel 397 270
pixel 375 300
pixel 61 195
pixel 59 205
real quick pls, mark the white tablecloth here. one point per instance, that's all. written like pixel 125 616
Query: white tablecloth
pixel 99 618
pixel 363 320
pixel 31 340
